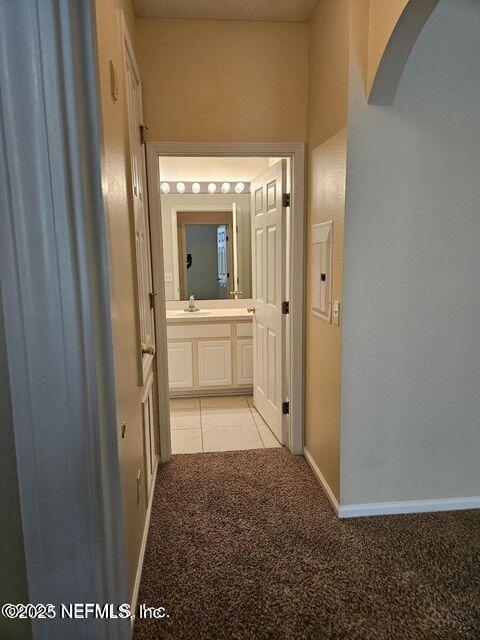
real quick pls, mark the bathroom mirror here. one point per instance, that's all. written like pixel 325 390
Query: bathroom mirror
pixel 207 243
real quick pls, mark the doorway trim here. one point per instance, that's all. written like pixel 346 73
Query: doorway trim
pixel 296 152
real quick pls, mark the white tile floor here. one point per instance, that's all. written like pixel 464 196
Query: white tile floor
pixel 221 423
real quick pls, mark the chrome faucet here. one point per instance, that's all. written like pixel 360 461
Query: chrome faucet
pixel 191 305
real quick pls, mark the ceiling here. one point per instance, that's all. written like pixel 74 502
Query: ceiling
pixel 266 10
pixel 214 169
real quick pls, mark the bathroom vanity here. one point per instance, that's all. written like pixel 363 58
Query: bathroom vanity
pixel 210 351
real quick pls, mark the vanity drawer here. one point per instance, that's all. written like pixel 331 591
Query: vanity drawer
pixel 203 330
pixel 244 329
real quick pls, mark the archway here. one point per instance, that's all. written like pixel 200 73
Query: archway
pixel 398 50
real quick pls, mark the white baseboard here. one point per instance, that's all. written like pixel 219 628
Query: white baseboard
pixel 390 508
pixel 141 556
pixel 203 393
pixel 408 506
pixel 321 478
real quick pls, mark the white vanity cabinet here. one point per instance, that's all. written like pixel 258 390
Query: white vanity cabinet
pixel 180 365
pixel 204 357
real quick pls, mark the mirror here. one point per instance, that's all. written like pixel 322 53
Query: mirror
pixel 207 243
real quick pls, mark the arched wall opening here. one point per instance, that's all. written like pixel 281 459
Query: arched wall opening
pixel 411 334
pixel 407 20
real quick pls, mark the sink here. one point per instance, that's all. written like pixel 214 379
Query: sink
pixel 189 314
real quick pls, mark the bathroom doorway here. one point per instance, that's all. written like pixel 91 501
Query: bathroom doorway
pixel 235 365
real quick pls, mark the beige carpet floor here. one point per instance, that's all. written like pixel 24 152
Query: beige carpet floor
pixel 245 546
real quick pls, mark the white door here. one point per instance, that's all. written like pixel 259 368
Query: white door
pixel 146 347
pixel 150 449
pixel 268 276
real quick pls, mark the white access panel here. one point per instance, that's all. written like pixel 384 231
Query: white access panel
pixel 321 291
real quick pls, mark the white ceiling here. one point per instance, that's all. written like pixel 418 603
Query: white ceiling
pixel 269 10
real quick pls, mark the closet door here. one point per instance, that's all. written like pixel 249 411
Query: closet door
pixel 150 448
pixel 145 311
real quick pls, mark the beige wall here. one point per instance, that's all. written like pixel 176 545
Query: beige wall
pixel 122 278
pixel 224 81
pixel 382 18
pixel 328 96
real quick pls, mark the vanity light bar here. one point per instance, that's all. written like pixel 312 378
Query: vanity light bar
pixel 209 188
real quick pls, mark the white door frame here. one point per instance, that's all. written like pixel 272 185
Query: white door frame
pixel 296 152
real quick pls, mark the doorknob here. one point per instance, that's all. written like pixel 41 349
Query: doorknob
pixel 251 309
pixel 148 351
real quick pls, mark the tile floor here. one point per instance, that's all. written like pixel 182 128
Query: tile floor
pixel 221 423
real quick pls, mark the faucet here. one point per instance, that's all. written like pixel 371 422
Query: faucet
pixel 191 305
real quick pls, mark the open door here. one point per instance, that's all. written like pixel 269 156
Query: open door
pixel 144 290
pixel 268 278
pixel 141 223
pixel 223 290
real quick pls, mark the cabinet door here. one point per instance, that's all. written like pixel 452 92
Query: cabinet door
pixel 150 449
pixel 180 365
pixel 214 363
pixel 244 362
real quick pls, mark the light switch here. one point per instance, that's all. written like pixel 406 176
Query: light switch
pixel 168 277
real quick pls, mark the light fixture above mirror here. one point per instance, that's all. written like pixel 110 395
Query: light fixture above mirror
pixel 211 188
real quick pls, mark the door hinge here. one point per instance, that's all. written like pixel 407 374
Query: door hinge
pixel 285 308
pixel 286 408
pixel 286 200
pixel 143 133
pixel 152 299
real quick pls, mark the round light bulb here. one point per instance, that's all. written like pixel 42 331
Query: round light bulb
pixel 196 187
pixel 225 187
pixel 212 187
pixel 165 187
pixel 181 187
pixel 240 187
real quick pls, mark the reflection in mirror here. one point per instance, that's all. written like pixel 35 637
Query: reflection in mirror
pixel 205 255
pixel 207 244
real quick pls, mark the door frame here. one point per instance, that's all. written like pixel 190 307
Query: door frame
pixel 296 152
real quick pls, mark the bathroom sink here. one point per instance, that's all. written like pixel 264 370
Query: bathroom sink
pixel 189 314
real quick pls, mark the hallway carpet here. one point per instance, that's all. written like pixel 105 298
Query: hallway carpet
pixel 245 546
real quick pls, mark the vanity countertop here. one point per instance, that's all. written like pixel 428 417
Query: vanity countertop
pixel 207 315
